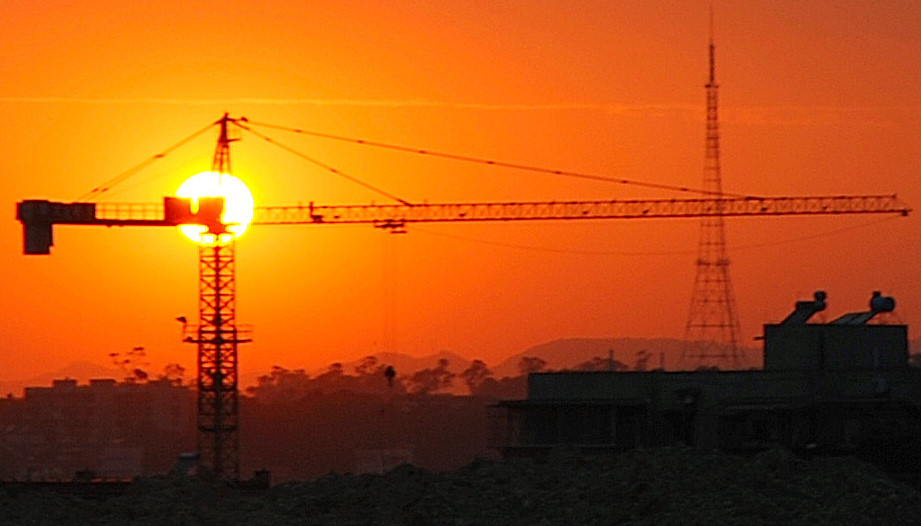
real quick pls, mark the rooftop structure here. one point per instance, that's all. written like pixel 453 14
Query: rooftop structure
pixel 832 387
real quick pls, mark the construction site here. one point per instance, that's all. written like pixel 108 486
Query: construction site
pixel 834 399
pixel 209 216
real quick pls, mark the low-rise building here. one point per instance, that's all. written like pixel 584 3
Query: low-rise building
pixel 840 386
pixel 115 430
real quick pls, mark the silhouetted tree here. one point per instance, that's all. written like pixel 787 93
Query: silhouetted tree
pixel 474 375
pixel 367 366
pixel 173 373
pixel 597 363
pixel 273 378
pixel 281 384
pixel 642 360
pixel 132 364
pixel 335 380
pixel 445 377
pixel 422 382
pixel 430 380
pixel 513 388
pixel 334 369
pixel 372 378
pixel 531 364
pixel 390 373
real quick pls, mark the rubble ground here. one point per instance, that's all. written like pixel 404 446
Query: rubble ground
pixel 646 486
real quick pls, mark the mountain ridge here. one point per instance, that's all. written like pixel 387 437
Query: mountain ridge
pixel 561 353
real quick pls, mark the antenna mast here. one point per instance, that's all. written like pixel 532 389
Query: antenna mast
pixel 712 331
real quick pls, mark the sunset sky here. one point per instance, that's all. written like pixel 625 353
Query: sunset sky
pixel 816 97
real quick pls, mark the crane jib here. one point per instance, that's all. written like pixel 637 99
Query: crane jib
pixel 569 210
pixel 39 216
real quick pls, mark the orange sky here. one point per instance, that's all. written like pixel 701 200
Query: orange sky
pixel 817 97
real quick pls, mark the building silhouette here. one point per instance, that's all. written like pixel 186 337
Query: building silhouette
pixel 109 429
pixel 839 387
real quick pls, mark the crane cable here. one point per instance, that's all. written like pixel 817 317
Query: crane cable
pixel 335 171
pixel 740 248
pixel 118 179
pixel 490 162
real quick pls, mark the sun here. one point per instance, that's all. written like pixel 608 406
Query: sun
pixel 238 205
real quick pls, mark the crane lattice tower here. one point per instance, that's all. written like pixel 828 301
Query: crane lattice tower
pixel 217 336
pixel 712 331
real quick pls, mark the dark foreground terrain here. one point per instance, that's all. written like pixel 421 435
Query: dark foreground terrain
pixel 661 486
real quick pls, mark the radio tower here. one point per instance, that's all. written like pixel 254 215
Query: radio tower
pixel 217 336
pixel 712 332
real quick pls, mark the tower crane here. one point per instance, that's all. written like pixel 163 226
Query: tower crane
pixel 217 333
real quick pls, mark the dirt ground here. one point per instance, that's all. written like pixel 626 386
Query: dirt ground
pixel 656 486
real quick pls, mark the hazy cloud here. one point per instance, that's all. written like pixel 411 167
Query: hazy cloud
pixel 754 115
pixel 369 103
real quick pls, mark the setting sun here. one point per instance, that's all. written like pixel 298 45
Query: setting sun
pixel 816 98
pixel 238 205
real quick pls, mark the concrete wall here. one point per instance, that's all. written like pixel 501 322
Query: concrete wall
pixel 835 346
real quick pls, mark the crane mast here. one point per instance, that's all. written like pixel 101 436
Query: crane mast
pixel 217 337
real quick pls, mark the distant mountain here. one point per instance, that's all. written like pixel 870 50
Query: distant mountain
pixel 82 371
pixel 568 353
pixel 559 354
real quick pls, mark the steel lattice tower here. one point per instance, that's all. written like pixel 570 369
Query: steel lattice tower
pixel 217 337
pixel 712 331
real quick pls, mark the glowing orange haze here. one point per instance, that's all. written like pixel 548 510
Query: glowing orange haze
pixel 817 97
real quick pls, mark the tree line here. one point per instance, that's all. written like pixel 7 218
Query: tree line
pixel 370 375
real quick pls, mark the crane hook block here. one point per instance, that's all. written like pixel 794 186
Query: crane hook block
pixel 178 211
pixel 210 210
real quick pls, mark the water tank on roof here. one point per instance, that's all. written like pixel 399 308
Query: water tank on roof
pixel 805 309
pixel 880 303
